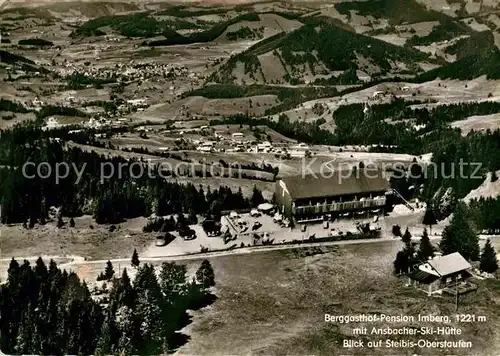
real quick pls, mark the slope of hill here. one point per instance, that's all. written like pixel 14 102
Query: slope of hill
pixel 11 58
pixel 445 31
pixel 477 43
pixel 490 188
pixel 267 23
pixel 140 24
pixel 397 11
pixel 66 11
pixel 467 68
pixel 203 36
pixel 318 49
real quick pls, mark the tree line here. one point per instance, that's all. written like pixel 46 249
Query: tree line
pixel 130 192
pixel 49 311
pixel 459 236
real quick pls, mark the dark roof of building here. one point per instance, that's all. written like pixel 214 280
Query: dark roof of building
pixel 449 264
pixel 337 183
pixel 422 276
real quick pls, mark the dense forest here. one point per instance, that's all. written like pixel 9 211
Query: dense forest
pixel 76 81
pixel 484 63
pixel 132 193
pixel 133 25
pixel 478 43
pixel 246 33
pixel 47 311
pixel 11 58
pixel 38 42
pixel 397 11
pixel 11 106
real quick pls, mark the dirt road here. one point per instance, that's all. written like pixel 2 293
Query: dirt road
pixel 77 263
pixel 79 260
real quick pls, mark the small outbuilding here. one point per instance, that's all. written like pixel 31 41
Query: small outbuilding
pixel 440 273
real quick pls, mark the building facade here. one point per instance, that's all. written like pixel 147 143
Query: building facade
pixel 311 197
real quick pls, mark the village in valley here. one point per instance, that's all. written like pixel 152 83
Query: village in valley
pixel 269 177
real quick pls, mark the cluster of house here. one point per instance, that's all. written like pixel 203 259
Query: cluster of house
pixel 237 142
pixel 125 72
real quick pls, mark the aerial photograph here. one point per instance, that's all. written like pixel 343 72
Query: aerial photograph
pixel 245 177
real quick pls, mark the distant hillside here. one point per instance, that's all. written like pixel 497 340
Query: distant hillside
pixel 11 58
pixel 446 30
pixel 317 50
pixel 397 11
pixel 182 11
pixel 476 44
pixel 22 62
pixel 467 68
pixel 288 97
pixel 140 24
pixel 204 36
pixel 83 10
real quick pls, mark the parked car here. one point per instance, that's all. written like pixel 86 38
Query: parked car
pixel 255 213
pixel 160 242
pixel 187 234
pixel 256 225
pixel 211 227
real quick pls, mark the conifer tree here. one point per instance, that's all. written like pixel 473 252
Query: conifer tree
pixel 429 217
pixel 257 197
pixel 173 280
pixel 488 262
pixel 406 237
pixel 425 250
pixel 460 236
pixel 104 343
pixel 109 271
pixel 135 259
pixel 205 275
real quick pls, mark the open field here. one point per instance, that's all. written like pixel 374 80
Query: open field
pixel 199 107
pixel 478 123
pixel 86 239
pixel 171 67
pixel 274 304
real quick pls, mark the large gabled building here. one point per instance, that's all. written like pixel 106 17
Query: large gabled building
pixel 311 197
